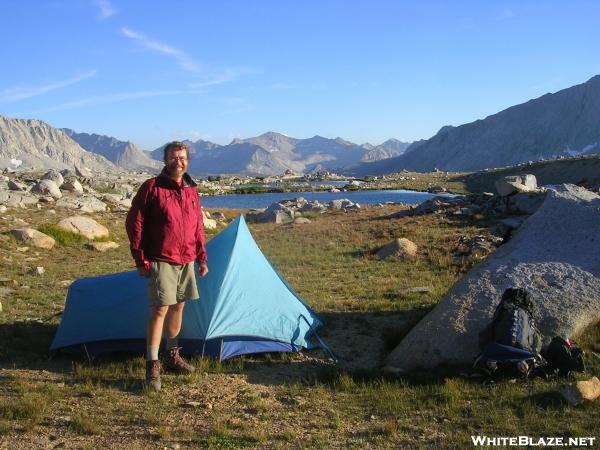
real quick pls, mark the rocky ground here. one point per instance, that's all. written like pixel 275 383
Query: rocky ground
pixel 371 272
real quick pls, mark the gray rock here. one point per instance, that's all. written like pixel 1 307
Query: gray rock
pixel 343 203
pixel 112 199
pixel 54 175
pixel 277 213
pixel 33 237
pixel 515 183
pixel 15 185
pixel 39 271
pixel 72 185
pixel 301 220
pixel 84 226
pixel 47 187
pixel 84 203
pixel 82 171
pixel 399 249
pixel 125 203
pixel 207 222
pixel 581 391
pixel 526 202
pixel 337 204
pixel 554 255
pixel 102 246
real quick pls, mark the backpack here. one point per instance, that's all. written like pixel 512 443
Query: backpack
pixel 564 356
pixel 511 343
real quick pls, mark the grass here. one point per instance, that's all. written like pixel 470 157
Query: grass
pixel 64 237
pixel 275 400
pixel 85 425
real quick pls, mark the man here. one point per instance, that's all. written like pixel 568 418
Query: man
pixel 166 236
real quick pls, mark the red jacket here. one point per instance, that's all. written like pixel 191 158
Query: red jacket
pixel 165 222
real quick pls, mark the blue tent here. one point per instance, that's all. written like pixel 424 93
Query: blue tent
pixel 245 307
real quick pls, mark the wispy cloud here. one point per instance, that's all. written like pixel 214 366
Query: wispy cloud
pixel 184 60
pixel 226 76
pixel 106 8
pixel 110 98
pixel 22 92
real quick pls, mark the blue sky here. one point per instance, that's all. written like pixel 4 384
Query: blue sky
pixel 152 71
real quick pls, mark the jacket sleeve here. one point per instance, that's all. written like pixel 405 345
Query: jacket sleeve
pixel 134 224
pixel 200 248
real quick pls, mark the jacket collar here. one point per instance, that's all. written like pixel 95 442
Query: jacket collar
pixel 165 178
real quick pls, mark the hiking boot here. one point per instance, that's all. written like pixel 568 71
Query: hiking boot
pixel 176 363
pixel 153 375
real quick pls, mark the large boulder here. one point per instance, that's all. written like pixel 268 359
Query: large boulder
pixel 72 185
pixel 554 255
pixel 16 199
pixel 84 226
pixel 54 175
pixel 47 187
pixel 84 203
pixel 33 237
pixel 516 183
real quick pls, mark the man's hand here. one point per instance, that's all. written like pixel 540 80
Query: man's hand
pixel 143 272
pixel 202 269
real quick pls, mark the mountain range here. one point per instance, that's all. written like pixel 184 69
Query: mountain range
pixel 275 153
pixel 123 154
pixel 557 125
pixel 34 144
pixel 562 124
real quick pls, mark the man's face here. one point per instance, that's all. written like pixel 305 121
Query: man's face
pixel 176 163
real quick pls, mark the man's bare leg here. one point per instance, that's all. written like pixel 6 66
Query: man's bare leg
pixel 173 320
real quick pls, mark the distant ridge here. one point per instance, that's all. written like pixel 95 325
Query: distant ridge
pixel 123 154
pixel 274 153
pixel 33 144
pixel 562 124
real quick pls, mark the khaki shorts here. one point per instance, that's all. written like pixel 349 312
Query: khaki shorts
pixel 170 284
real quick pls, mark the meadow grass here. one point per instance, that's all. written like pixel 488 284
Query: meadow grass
pixel 275 400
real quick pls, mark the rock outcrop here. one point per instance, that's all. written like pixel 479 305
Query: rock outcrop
pixel 84 226
pixel 554 255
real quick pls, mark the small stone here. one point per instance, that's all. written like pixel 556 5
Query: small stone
pixel 398 249
pixel 581 391
pixel 301 220
pixel 3 209
pixel 39 270
pixel 102 246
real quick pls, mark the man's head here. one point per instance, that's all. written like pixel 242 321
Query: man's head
pixel 176 156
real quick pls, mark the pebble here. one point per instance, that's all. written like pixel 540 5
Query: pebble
pixel 39 270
